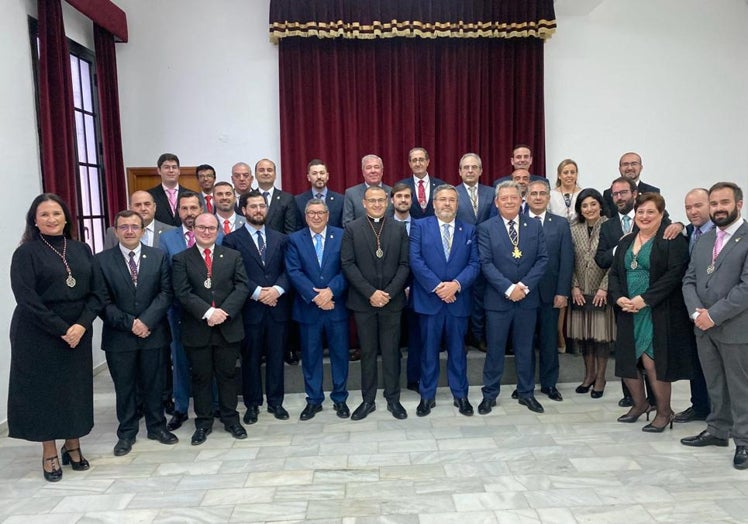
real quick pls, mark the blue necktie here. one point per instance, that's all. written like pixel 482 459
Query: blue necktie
pixel 626 224
pixel 446 241
pixel 318 247
pixel 261 245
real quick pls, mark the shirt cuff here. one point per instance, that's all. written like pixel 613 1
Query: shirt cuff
pixel 208 313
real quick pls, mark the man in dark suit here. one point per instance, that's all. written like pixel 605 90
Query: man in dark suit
pixel 206 179
pixel 444 263
pixel 313 267
pixel 629 166
pixel 166 194
pixel 241 178
pixel 513 260
pixel 477 205
pixel 624 193
pixel 137 294
pixel 319 176
pixel 267 312
pixel 225 204
pixel 281 210
pixel 421 183
pixel 211 285
pixel 697 212
pixel 372 169
pixel 715 289
pixel 142 203
pixel 555 286
pixel 374 258
pixel 521 159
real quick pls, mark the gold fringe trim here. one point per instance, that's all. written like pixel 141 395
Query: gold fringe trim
pixel 543 29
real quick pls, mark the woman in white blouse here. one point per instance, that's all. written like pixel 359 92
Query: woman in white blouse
pixel 564 195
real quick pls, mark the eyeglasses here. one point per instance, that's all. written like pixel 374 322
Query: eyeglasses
pixel 208 229
pixel 630 164
pixel 256 206
pixel 621 193
pixel 316 213
pixel 203 177
pixel 129 227
pixel 376 200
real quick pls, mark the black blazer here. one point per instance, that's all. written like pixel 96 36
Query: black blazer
pixel 365 272
pixel 610 234
pixel 415 208
pixel 228 291
pixel 334 203
pixel 124 302
pixel 609 207
pixel 163 209
pixel 281 215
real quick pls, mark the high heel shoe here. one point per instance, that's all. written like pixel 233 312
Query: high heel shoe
pixel 650 409
pixel 596 394
pixel 632 416
pixel 651 428
pixel 581 388
pixel 80 465
pixel 56 474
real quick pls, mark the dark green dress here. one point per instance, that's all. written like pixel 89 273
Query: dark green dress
pixel 637 280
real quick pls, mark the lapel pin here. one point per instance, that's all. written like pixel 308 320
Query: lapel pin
pixel 144 256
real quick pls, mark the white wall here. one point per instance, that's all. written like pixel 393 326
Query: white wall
pixel 666 79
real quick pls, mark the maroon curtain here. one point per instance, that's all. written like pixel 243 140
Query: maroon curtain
pixel 111 134
pixel 56 120
pixel 341 99
pixel 106 14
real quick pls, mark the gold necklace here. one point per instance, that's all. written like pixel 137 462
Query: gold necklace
pixel 379 251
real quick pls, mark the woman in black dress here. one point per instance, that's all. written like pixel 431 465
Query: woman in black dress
pixel 51 381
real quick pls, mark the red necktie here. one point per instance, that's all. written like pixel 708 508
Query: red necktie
pixel 421 194
pixel 208 205
pixel 226 226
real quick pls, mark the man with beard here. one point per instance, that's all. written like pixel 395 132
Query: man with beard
pixel 318 176
pixel 629 166
pixel 444 262
pixel 206 179
pixel 225 203
pixel 267 312
pixel 715 289
pixel 374 258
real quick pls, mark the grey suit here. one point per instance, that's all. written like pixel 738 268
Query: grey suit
pixel 158 227
pixel 723 348
pixel 353 206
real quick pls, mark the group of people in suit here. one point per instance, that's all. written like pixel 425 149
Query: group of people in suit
pixel 221 278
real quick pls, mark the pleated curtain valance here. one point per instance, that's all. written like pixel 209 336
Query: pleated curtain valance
pixel 371 19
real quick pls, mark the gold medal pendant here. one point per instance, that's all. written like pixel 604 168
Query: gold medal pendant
pixel 634 264
pixel 379 253
pixel 516 253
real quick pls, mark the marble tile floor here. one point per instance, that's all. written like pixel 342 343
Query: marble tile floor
pixel 572 464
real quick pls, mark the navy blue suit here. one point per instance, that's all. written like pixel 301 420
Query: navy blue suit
pixel 266 327
pixel 440 320
pixel 334 203
pixel 415 208
pixel 556 281
pixel 501 270
pixel 305 273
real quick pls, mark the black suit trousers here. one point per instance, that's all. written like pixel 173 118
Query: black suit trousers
pixel 138 378
pixel 379 331
pixel 271 335
pixel 218 360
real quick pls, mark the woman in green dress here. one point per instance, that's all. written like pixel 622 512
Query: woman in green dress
pixel 654 330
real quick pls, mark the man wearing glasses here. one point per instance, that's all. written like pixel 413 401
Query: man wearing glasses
pixel 421 184
pixel 629 166
pixel 206 179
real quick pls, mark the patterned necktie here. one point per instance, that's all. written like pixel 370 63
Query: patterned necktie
pixel 319 196
pixel 261 245
pixel 209 267
pixel 446 240
pixel 190 238
pixel 421 194
pixel 537 217
pixel 626 224
pixel 133 268
pixel 474 198
pixel 266 196
pixel 208 204
pixel 318 248
pixel 171 194
pixel 226 226
pixel 513 233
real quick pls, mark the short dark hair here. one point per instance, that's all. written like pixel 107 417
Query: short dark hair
pixel 656 198
pixel 167 156
pixel 32 232
pixel 400 186
pixel 314 162
pixel 622 180
pixel 252 193
pixel 584 194
pixel 186 194
pixel 222 183
pixel 736 191
pixel 127 213
pixel 518 146
pixel 204 167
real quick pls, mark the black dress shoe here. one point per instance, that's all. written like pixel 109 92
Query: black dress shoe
pixel 163 436
pixel 278 412
pixel 626 402
pixel 413 386
pixel 552 393
pixel 363 410
pixel 177 420
pixel 341 409
pixel 291 357
pixel 397 410
pixel 463 405
pixel 309 411
pixel 515 395
pixel 55 473
pixel 123 447
pixel 250 417
pixel 581 389
pixel 354 355
pixel 237 431
pixel 484 408
pixel 532 404
pixel 741 457
pixel 200 435
pixel 482 346
pixel 424 407
pixel 689 415
pixel 704 439
pixel 169 406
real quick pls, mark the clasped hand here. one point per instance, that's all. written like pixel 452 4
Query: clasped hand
pixel 73 335
pixel 631 305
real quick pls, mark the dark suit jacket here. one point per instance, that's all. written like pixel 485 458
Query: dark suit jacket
pixel 610 234
pixel 610 206
pixel 228 292
pixel 416 211
pixel 533 178
pixel 124 302
pixel 430 267
pixel 282 213
pixel 502 270
pixel 334 203
pixel 557 277
pixel 366 273
pixel 305 273
pixel 158 228
pixel 163 209
pixel 272 273
pixel 353 206
pixel 674 343
pixel 486 206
